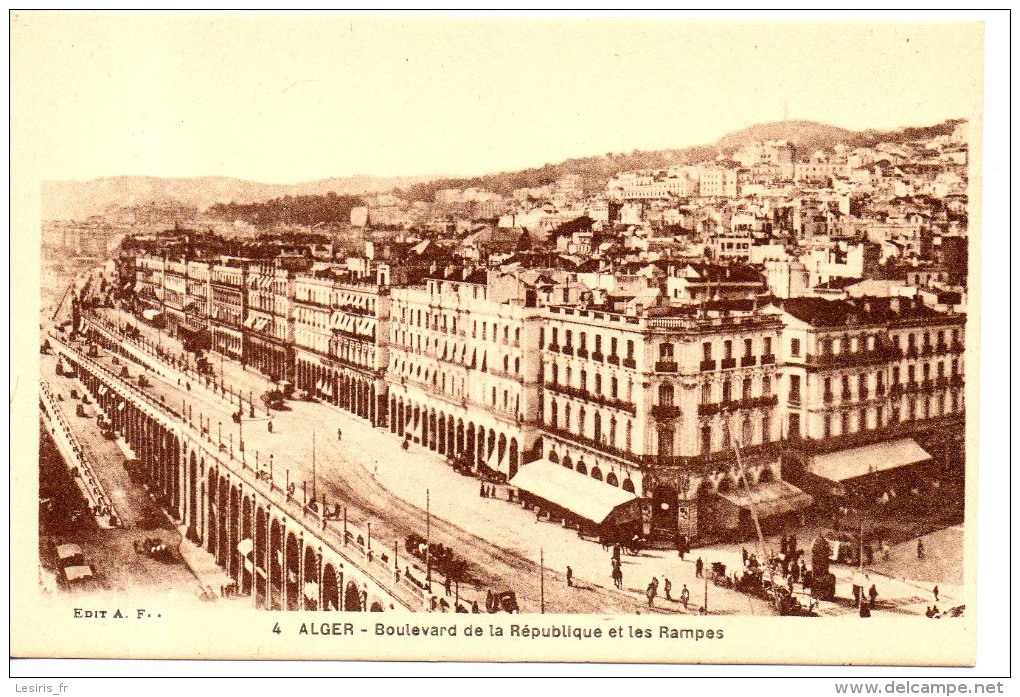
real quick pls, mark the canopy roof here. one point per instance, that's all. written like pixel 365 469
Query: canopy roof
pixel 772 499
pixel 582 495
pixel 857 462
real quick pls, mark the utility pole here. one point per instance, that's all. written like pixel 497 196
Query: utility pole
pixel 314 491
pixel 541 579
pixel 428 537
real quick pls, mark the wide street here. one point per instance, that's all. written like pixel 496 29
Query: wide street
pixel 378 482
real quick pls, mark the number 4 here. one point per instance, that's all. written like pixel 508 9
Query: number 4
pixel 276 628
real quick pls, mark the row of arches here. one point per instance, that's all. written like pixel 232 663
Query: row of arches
pixel 451 436
pixel 358 394
pixel 268 555
pixel 610 478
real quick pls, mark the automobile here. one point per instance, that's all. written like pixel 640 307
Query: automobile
pixel 501 601
pixel 78 574
pixel 273 399
pixel 69 554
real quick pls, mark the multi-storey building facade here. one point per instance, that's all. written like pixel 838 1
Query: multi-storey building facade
pixel 148 289
pixel 650 403
pixel 867 372
pixel 461 377
pixel 340 334
pixel 196 300
pixel 268 326
pixel 228 305
pixel 175 288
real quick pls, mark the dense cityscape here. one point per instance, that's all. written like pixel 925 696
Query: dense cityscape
pixel 748 367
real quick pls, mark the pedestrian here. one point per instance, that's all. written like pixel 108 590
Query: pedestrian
pixel 650 592
pixel 655 582
pixel 885 550
pixel 270 425
pixel 782 545
pixel 685 596
pixel 617 576
pixel 481 490
pixel 743 554
pixel 789 582
pixel 873 593
pixel 935 592
pixel 699 567
pixel 339 435
pixel 666 588
pixel 448 585
pixel 570 577
pixel 865 609
pixel 920 549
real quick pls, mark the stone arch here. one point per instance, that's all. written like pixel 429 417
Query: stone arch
pixel 664 505
pixel 766 475
pixel 234 534
pixel 192 497
pixel 376 606
pixel 330 589
pixel 581 468
pixel 441 435
pixel 222 523
pixel 292 576
pixel 567 462
pixel 275 565
pixel 514 457
pixel 596 473
pixel 261 553
pixel 628 485
pixel 352 598
pixel 611 479
pixel 310 588
pixel 553 457
pixel 247 567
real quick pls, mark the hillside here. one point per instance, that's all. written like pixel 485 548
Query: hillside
pixel 77 199
pixel 808 136
pixel 80 199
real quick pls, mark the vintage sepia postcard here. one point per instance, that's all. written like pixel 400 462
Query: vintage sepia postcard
pixel 495 338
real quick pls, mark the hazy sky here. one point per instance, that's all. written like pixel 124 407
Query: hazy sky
pixel 288 98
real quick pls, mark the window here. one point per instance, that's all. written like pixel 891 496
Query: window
pixel 554 373
pixel 748 346
pixel 766 386
pixel 745 390
pixel 597 425
pixel 584 380
pixel 745 432
pixel 552 413
pixel 728 349
pixel 768 345
pixel 553 340
pixel 793 430
pixel 665 352
pixel 766 429
pixel 567 337
pixel 581 340
pixel 666 394
pixel 612 346
pixel 706 393
pixel 598 343
pixel 896 375
pixel 665 441
pixel 795 388
pixel 795 347
pixel 706 351
pixel 706 440
pixel 630 349
pixel 598 384
pixel 726 391
pixel 613 387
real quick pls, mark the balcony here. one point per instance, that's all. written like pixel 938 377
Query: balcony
pixel 911 387
pixel 927 350
pixel 956 381
pixel 728 363
pixel 582 353
pixel 862 395
pixel 590 442
pixel 665 367
pixel 597 356
pixel 911 352
pixel 768 359
pixel 896 390
pixel 956 347
pixel 941 382
pixel 748 361
pixel 665 411
pixel 567 350
pixel 794 399
pixel 927 385
pixel 613 359
pixel 554 347
pixel 828 397
pixel 765 401
pixel 707 365
pixel 629 363
pixel 941 347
